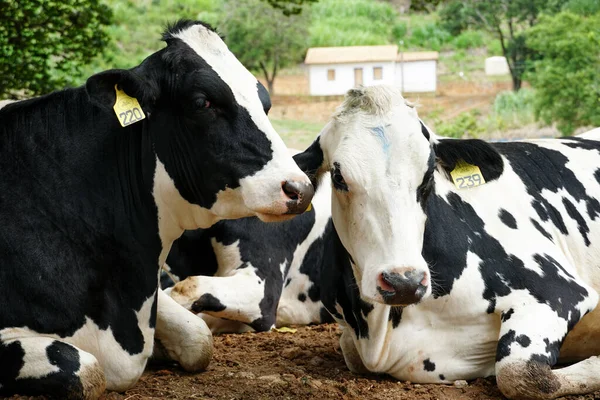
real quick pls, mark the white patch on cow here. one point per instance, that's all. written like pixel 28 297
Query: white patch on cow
pixel 35 366
pixel 227 290
pixel 593 134
pixel 183 336
pixel 256 190
pixel 228 257
pixel 122 370
pixel 291 310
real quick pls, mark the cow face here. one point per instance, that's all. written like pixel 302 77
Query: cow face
pixel 218 156
pixel 380 164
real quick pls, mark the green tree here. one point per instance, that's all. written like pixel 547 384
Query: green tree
pixel 43 43
pixel 290 7
pixel 508 20
pixel 567 79
pixel 261 37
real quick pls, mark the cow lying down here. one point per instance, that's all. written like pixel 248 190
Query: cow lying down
pixel 458 259
pixel 96 184
pixel 244 274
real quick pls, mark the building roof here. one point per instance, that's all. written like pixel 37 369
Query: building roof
pixel 350 54
pixel 408 56
pixel 354 54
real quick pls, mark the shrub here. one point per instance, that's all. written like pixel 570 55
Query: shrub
pixel 468 40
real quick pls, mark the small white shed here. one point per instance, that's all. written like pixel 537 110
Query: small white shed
pixel 496 65
pixel 334 70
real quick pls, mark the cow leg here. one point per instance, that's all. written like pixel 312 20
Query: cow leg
pixel 181 336
pixel 351 356
pixel 529 347
pixel 45 366
pixel 239 297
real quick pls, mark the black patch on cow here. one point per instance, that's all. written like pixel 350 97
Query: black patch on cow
pixel 505 316
pixel 523 340
pixel 11 355
pixel 61 384
pixel 473 151
pixel 338 286
pixel 311 160
pixel 395 315
pixel 580 143
pixel 541 229
pixel 288 281
pixel 507 218
pixel 426 186
pixel 192 254
pixel 446 251
pixel 582 226
pixel 552 352
pixel 546 169
pixel 313 262
pixel 597 175
pixel 264 97
pixel 442 377
pixel 208 302
pixel 424 130
pixel 302 297
pixel 428 365
pixel 325 316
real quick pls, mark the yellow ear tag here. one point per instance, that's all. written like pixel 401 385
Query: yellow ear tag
pixel 127 108
pixel 308 208
pixel 466 176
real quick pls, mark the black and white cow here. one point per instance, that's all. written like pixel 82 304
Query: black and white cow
pixel 245 273
pixel 433 283
pixel 89 210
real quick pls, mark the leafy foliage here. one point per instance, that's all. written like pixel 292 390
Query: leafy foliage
pixel 290 7
pixel 566 78
pixel 508 20
pixel 261 38
pixel 44 43
pixel 351 23
pixel 582 7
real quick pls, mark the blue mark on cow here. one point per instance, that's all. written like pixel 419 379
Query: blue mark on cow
pixel 379 131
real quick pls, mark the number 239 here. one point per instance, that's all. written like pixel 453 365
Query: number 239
pixel 469 181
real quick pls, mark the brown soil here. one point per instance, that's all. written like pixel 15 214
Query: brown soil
pixel 307 364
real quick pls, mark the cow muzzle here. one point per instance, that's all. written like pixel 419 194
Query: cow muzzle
pixel 298 195
pixel 402 286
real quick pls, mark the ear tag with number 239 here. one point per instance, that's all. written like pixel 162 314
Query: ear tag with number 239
pixel 466 176
pixel 127 108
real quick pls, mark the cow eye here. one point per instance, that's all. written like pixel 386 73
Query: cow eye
pixel 203 103
pixel 338 180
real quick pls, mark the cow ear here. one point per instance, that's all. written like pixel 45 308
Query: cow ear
pixel 311 161
pixel 101 88
pixel 473 151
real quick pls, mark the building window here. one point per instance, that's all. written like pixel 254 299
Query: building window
pixel 331 74
pixel 377 73
pixel 358 76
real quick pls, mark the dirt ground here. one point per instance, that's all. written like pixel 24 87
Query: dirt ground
pixel 307 364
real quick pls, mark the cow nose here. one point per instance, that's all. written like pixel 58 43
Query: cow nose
pixel 298 194
pixel 403 286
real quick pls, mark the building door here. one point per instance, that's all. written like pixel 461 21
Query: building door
pixel 358 76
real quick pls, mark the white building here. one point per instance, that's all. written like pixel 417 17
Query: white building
pixel 334 70
pixel 496 65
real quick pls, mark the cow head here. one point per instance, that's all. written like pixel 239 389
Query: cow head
pixel 380 164
pixel 218 156
pixel 384 165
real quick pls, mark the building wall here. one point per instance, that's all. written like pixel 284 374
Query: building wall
pixel 344 77
pixel 419 76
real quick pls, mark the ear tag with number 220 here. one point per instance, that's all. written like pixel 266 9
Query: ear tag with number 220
pixel 466 176
pixel 127 108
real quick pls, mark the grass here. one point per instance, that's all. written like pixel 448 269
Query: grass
pixel 297 134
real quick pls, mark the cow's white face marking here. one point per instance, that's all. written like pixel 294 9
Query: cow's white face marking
pixel 375 146
pixel 259 194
